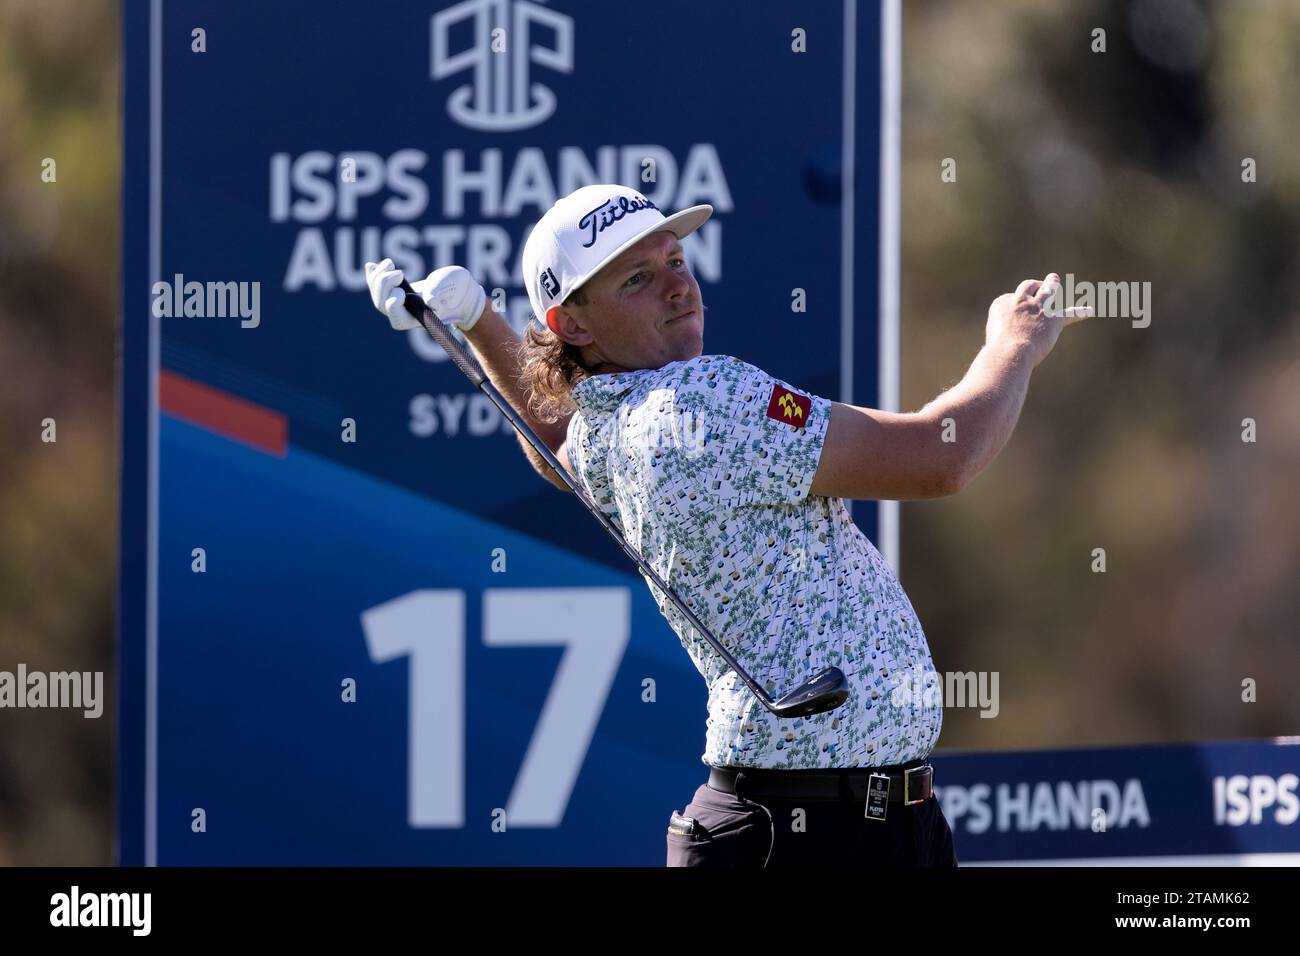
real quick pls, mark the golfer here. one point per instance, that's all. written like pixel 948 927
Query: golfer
pixel 730 483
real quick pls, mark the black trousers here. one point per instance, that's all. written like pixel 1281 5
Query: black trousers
pixel 753 831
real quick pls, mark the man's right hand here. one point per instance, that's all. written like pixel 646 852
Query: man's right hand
pixel 1021 318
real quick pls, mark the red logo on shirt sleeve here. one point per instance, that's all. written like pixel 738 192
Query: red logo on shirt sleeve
pixel 789 407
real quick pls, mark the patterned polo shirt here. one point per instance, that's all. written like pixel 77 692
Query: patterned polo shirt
pixel 705 467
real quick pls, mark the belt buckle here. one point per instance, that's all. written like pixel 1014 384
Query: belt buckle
pixel 907 779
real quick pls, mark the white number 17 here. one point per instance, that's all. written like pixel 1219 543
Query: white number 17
pixel 428 627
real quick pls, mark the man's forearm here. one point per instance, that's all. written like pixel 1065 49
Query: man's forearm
pixel 985 405
pixel 497 348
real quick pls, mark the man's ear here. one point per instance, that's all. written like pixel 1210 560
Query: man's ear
pixel 555 321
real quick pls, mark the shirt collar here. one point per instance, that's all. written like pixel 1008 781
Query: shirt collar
pixel 604 393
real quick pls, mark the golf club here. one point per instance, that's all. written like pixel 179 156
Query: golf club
pixel 824 691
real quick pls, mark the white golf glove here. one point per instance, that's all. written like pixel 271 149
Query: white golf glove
pixel 451 292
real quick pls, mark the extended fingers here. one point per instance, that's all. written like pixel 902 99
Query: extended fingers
pixel 1051 283
pixel 1027 287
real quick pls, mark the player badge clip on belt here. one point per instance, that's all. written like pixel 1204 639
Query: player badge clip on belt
pixel 877 796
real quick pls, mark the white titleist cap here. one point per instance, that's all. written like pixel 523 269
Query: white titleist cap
pixel 582 232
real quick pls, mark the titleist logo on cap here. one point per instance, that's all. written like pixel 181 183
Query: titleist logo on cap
pixel 610 212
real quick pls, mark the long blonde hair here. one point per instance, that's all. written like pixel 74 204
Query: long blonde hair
pixel 549 367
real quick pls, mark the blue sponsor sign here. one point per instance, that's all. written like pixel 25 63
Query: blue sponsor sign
pixel 355 626
pixel 1208 804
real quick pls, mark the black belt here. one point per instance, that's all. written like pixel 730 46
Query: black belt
pixel 908 783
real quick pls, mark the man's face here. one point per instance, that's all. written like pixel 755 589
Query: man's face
pixel 643 310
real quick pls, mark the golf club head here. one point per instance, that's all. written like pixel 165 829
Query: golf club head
pixel 824 691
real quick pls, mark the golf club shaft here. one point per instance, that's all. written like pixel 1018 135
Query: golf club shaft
pixel 466 363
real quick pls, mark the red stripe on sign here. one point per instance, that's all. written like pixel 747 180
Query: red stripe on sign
pixel 223 413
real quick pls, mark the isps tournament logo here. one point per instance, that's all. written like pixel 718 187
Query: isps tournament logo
pixel 789 407
pixel 501 96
